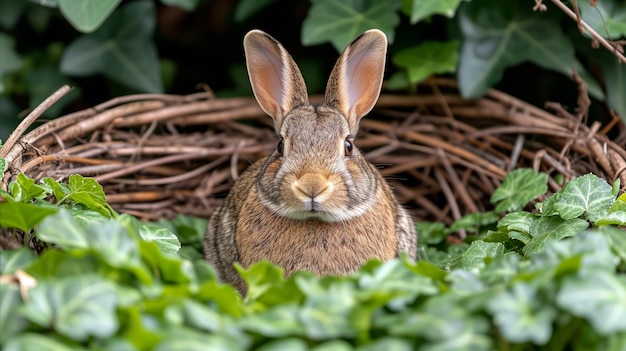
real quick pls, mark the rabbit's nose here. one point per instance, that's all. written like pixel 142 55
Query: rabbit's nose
pixel 312 186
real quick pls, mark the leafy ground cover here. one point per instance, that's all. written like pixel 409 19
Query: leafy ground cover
pixel 553 278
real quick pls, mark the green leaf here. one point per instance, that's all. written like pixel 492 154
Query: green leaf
pixel 23 216
pixel 588 195
pixel 598 296
pixel 473 221
pixel 10 13
pixel 11 321
pixel 246 8
pixel 63 230
pixel 617 218
pixel 166 240
pixel 59 190
pixel 76 306
pixel 499 34
pixel 24 189
pixel 280 321
pixel 431 232
pixel 428 58
pixel 478 251
pixel 617 240
pixel 341 21
pixel 11 60
pixel 187 5
pixel 34 341
pixel 333 345
pixel 607 17
pixel 88 192
pixel 614 74
pixel 185 339
pixel 122 49
pixel 259 277
pixel 518 188
pixel 3 165
pixel 287 344
pixel 12 260
pixel 87 15
pixel 387 343
pixel 189 230
pixel 326 311
pixel 521 316
pixel 518 222
pixel 552 228
pixel 418 10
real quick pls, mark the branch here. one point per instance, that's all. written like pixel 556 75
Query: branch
pixel 592 32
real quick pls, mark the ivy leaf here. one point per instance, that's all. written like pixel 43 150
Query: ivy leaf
pixel 607 17
pixel 165 239
pixel 475 255
pixel 24 189
pixel 24 216
pixel 186 5
pixel 617 241
pixel 63 230
pixel 518 188
pixel 185 339
pixel 617 218
pixel 518 222
pixel 12 260
pixel 552 228
pixel 34 341
pixel 88 192
pixel 520 315
pixel 588 195
pixel 260 277
pixel 473 221
pixel 340 21
pixel 246 8
pixel 87 15
pixel 279 321
pixel 598 296
pixel 76 306
pixel 614 74
pixel 428 58
pixel 11 321
pixel 417 10
pixel 122 49
pixel 499 34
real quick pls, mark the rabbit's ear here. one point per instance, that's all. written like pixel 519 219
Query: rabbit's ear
pixel 355 82
pixel 276 79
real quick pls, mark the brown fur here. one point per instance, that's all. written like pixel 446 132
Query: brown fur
pixel 315 204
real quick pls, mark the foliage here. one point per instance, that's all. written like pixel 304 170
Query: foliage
pixel 527 281
pixel 477 41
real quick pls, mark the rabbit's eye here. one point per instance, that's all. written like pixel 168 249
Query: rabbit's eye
pixel 280 146
pixel 348 147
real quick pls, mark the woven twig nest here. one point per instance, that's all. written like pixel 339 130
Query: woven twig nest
pixel 161 155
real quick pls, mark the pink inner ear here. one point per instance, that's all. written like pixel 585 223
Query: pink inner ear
pixel 363 79
pixel 270 87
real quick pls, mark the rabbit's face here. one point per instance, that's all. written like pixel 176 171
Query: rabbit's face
pixel 316 172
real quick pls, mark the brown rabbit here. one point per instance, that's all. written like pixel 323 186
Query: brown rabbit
pixel 315 203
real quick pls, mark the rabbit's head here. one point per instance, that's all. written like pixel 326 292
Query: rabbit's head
pixel 316 172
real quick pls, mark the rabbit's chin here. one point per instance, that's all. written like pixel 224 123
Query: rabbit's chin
pixel 330 216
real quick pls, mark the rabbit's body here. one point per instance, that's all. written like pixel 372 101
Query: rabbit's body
pixel 315 204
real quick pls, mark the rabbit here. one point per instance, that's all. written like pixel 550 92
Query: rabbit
pixel 315 203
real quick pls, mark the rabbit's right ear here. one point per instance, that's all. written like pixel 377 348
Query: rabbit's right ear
pixel 275 78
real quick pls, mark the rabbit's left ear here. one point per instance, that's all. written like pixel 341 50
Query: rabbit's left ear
pixel 355 82
pixel 276 79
